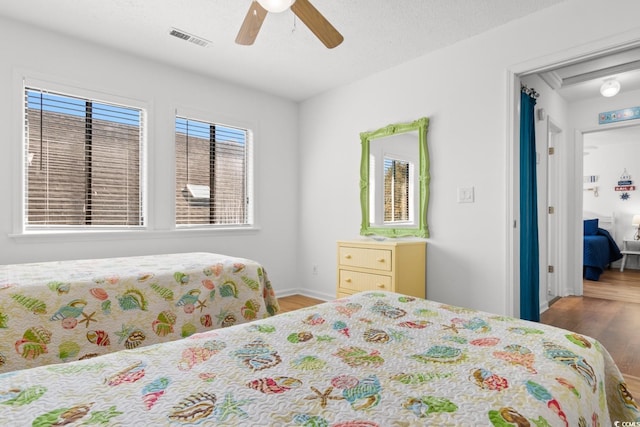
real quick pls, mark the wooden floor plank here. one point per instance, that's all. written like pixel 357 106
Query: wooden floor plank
pixel 615 285
pixel 295 302
pixel 608 311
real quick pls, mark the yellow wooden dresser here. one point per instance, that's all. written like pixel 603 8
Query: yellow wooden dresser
pixel 390 265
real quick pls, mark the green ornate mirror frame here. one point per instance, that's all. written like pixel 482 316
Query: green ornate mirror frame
pixel 418 225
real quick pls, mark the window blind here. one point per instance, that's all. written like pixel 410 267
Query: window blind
pixel 397 193
pixel 84 162
pixel 211 157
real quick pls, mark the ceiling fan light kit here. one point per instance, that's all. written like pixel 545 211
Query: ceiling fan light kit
pixel 276 6
pixel 303 9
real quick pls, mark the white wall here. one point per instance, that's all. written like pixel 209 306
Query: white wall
pixel 464 90
pixel 608 160
pixel 48 56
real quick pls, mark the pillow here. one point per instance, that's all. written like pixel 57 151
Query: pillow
pixel 590 227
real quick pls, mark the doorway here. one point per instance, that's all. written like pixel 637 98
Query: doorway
pixel 608 155
pixel 563 233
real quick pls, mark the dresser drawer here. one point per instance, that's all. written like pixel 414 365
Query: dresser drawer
pixel 377 259
pixel 357 281
pixel 394 265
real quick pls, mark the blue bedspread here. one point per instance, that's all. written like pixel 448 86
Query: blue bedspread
pixel 599 251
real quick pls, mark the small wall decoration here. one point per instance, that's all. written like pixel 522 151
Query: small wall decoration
pixel 619 115
pixel 625 184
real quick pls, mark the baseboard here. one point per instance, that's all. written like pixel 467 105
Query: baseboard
pixel 305 292
pixel 544 307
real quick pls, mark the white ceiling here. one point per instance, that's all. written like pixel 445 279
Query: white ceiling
pixel 286 59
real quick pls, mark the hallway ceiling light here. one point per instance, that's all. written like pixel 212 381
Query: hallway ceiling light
pixel 610 88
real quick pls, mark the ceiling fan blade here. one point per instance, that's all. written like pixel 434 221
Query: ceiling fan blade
pixel 317 23
pixel 251 24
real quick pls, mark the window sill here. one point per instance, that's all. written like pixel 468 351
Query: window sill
pixel 104 235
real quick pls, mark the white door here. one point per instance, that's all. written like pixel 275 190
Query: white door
pixel 554 139
pixel 547 148
pixel 542 160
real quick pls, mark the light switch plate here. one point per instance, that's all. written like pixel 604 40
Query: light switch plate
pixel 466 195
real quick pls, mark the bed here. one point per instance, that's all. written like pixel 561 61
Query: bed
pixel 599 246
pixel 372 359
pixel 54 312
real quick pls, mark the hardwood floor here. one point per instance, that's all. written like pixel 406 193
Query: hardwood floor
pixel 609 311
pixel 295 302
pixel 611 322
pixel 615 285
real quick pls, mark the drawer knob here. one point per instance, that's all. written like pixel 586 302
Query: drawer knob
pixel 348 280
pixel 381 285
pixel 348 256
pixel 380 259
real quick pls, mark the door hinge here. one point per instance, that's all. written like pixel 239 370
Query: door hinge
pixel 552 151
pixel 552 210
pixel 550 269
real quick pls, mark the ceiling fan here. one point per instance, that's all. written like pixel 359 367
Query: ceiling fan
pixel 304 10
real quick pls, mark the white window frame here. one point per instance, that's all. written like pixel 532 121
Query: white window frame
pixel 19 223
pixel 222 120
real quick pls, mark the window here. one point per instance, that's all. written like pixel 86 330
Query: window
pixel 83 163
pixel 397 191
pixel 212 174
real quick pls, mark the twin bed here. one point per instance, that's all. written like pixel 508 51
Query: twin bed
pixel 599 246
pixel 54 312
pixel 372 359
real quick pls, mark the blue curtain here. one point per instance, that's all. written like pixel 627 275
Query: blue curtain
pixel 529 250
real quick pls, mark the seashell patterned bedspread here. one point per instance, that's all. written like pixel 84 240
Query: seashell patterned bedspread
pixel 374 359
pixel 56 312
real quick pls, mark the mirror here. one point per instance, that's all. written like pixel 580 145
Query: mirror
pixel 394 180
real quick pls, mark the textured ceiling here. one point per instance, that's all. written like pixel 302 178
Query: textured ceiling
pixel 286 59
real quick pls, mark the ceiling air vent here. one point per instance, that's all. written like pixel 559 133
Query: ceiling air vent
pixel 189 37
